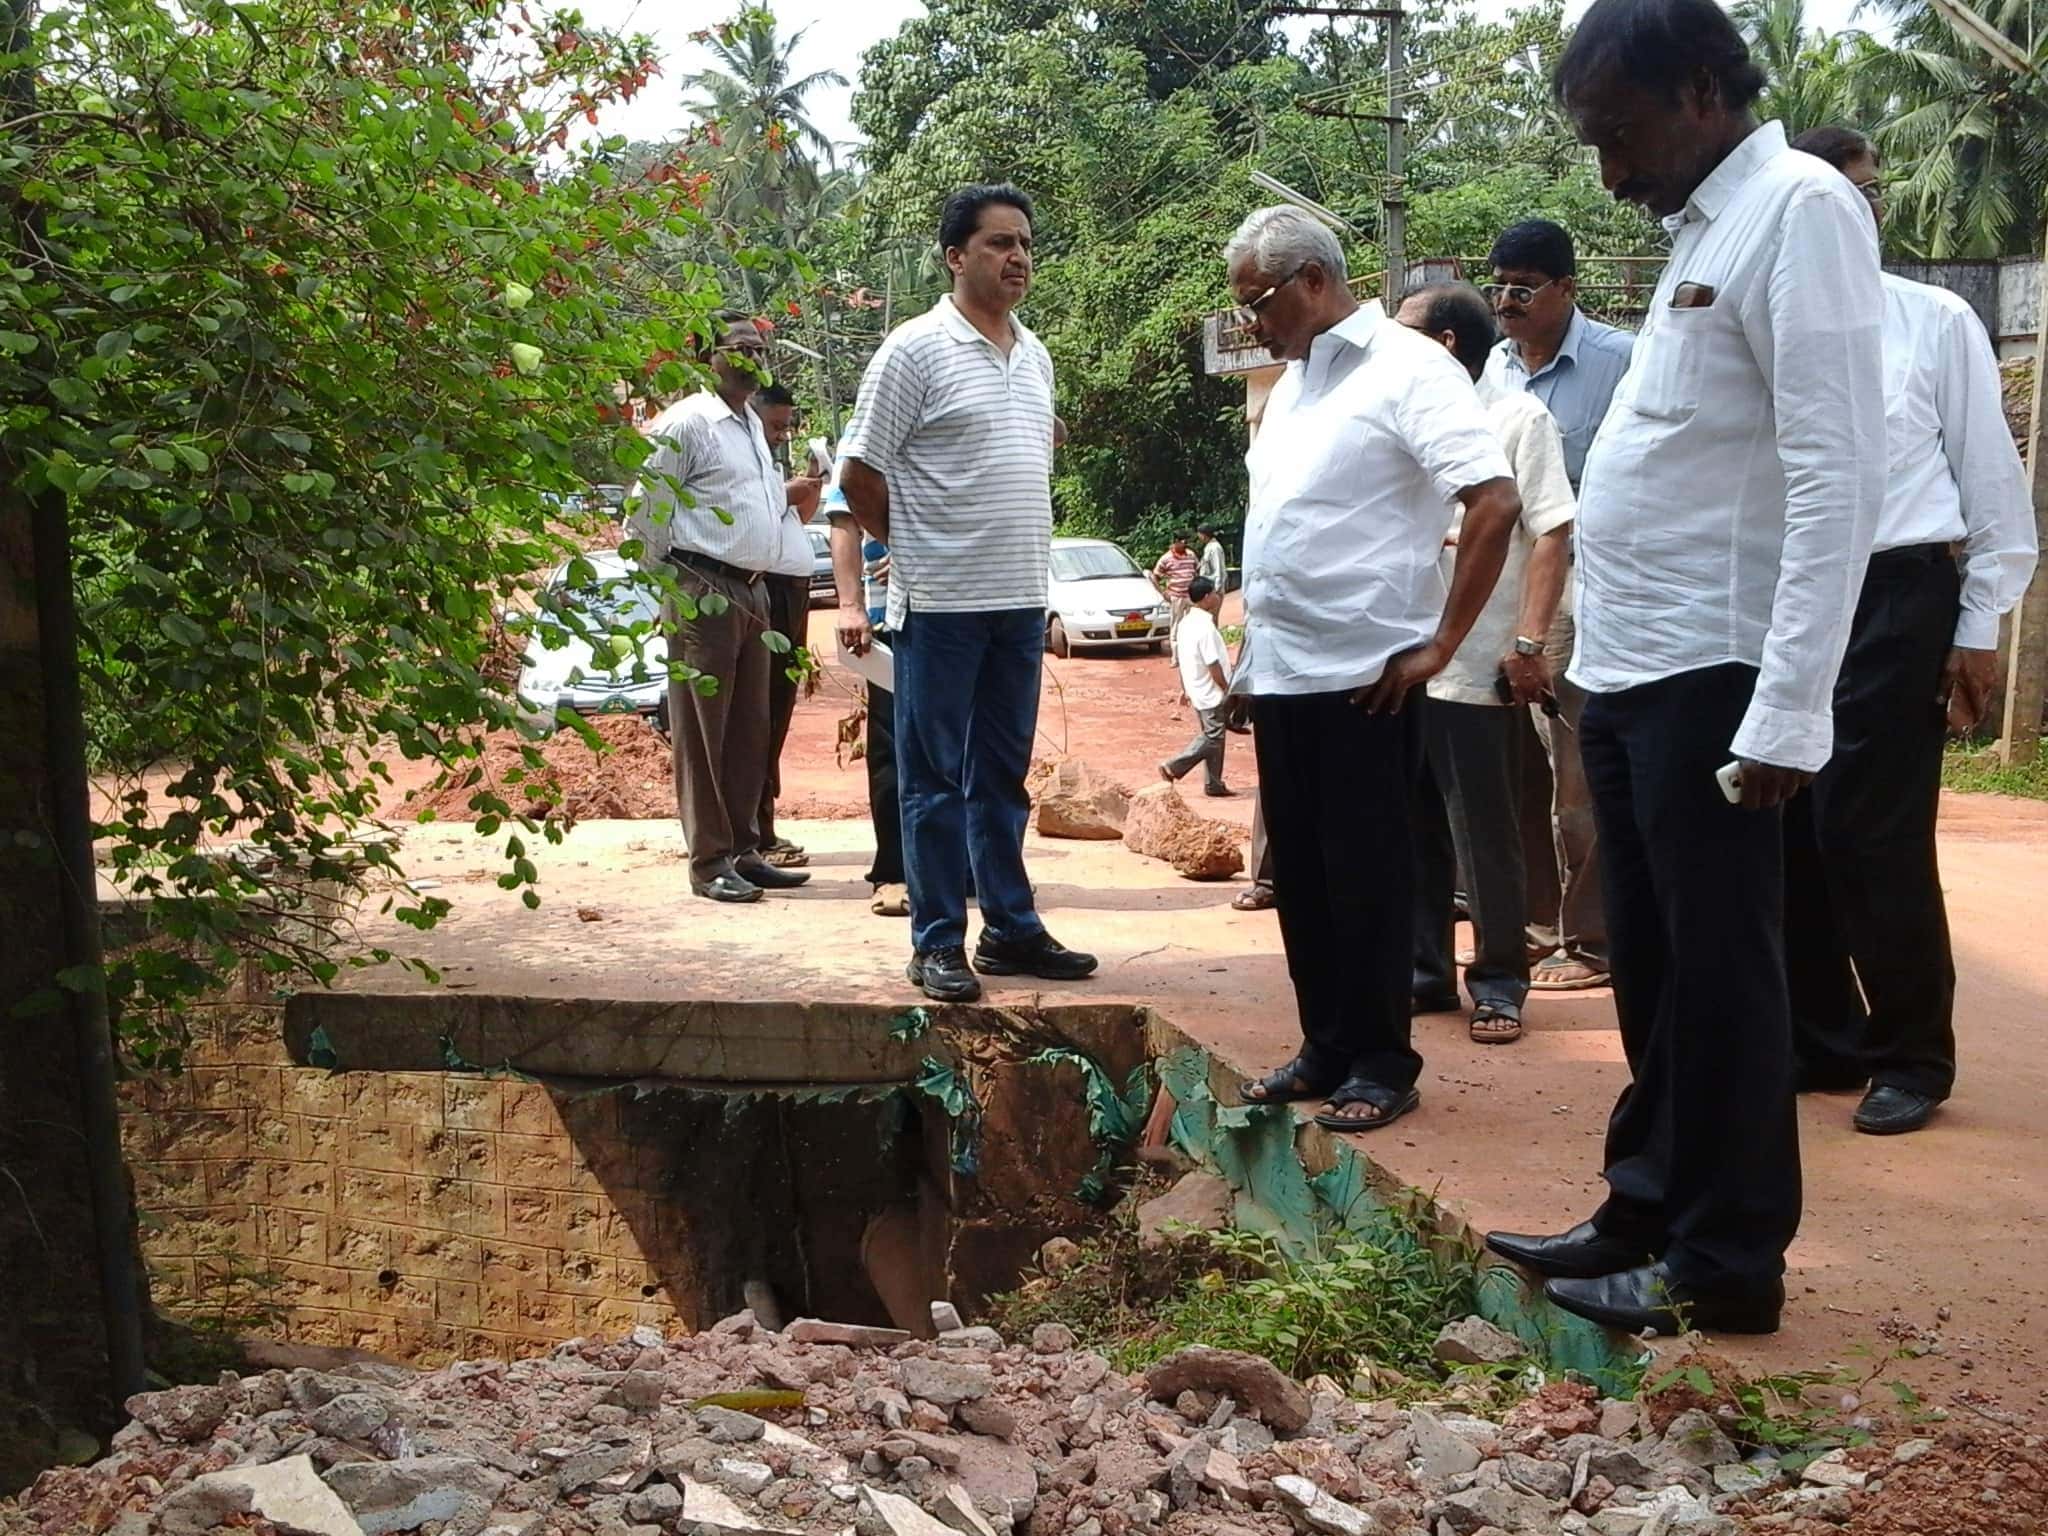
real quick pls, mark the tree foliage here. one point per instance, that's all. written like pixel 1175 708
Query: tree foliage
pixel 319 313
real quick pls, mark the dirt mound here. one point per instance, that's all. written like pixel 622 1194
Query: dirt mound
pixel 631 780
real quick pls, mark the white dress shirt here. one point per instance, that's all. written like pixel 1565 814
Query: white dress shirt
pixel 1955 475
pixel 1529 436
pixel 1730 497
pixel 1364 448
pixel 732 506
pixel 1197 644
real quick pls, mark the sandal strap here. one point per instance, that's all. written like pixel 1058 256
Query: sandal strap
pixel 1289 1079
pixel 1363 1090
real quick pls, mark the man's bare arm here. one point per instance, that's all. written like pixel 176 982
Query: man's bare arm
pixel 867 497
pixel 1542 587
pixel 856 633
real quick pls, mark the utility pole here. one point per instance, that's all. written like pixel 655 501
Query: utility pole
pixel 2026 677
pixel 1394 195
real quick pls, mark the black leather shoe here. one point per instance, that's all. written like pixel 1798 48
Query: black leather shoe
pixel 758 871
pixel 943 976
pixel 1041 955
pixel 1889 1111
pixel 1650 1298
pixel 1583 1253
pixel 727 887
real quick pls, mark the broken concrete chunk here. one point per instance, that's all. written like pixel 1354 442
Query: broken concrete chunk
pixel 946 1317
pixel 1546 1479
pixel 182 1415
pixel 639 1391
pixel 728 1426
pixel 1255 1383
pixel 970 1338
pixel 705 1505
pixel 1695 1439
pixel 287 1495
pixel 350 1416
pixel 1618 1419
pixel 899 1516
pixel 811 1330
pixel 1161 825
pixel 1475 1341
pixel 403 1495
pixel 1503 1509
pixel 656 1504
pixel 1743 1478
pixel 1199 1202
pixel 945 1383
pixel 1833 1471
pixel 986 1416
pixel 1443 1454
pixel 1317 1510
pixel 1078 802
pixel 1911 1450
pixel 1052 1339
pixel 741 1476
pixel 954 1507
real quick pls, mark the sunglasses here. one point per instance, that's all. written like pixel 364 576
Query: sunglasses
pixel 1251 309
pixel 1513 293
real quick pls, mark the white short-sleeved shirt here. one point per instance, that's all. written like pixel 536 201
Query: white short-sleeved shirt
pixel 1530 437
pixel 1363 449
pixel 1196 644
pixel 738 509
pixel 963 435
pixel 1729 500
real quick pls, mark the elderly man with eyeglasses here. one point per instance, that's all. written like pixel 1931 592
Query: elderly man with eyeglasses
pixel 1370 438
pixel 1571 362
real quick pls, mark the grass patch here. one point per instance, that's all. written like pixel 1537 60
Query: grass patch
pixel 1974 770
pixel 1355 1310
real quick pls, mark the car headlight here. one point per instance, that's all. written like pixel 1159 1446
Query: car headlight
pixel 1161 611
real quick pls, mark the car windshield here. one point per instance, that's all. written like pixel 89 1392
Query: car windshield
pixel 613 601
pixel 1091 562
pixel 821 544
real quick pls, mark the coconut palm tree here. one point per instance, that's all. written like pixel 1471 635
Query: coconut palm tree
pixel 1965 139
pixel 755 95
pixel 1813 83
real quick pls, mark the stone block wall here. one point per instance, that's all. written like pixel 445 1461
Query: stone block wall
pixel 424 1215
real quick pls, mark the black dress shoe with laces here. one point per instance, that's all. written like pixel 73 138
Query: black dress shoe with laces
pixel 727 887
pixel 1653 1298
pixel 1041 955
pixel 943 975
pixel 758 871
pixel 1585 1252
pixel 1889 1111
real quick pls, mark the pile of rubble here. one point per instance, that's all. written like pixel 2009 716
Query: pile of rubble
pixel 827 1429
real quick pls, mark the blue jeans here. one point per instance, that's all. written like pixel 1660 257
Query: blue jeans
pixel 966 714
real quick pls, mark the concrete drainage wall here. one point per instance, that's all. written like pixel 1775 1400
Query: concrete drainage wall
pixel 447 1176
pixel 451 1175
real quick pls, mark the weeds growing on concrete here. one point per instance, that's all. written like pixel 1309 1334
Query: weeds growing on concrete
pixel 1352 1307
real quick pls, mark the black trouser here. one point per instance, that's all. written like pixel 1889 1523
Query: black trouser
pixel 884 810
pixel 1862 887
pixel 1467 815
pixel 1335 786
pixel 1703 1146
pixel 789 615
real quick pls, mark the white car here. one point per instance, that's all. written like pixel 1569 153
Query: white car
pixel 1100 598
pixel 568 675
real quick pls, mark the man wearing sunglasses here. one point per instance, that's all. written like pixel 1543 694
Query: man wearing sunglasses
pixel 1571 362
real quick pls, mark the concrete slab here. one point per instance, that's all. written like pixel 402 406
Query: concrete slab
pixel 1896 1230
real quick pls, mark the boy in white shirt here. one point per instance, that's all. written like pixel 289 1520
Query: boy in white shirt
pixel 1204 677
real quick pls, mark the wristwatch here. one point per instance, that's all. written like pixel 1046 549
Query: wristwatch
pixel 1524 646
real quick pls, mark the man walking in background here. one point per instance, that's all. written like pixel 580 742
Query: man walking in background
pixel 712 504
pixel 788 587
pixel 1215 566
pixel 1369 437
pixel 1172 573
pixel 1204 663
pixel 1724 523
pixel 948 460
pixel 1468 800
pixel 1571 362
pixel 1866 930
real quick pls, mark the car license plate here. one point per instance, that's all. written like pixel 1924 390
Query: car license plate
pixel 1136 624
pixel 615 706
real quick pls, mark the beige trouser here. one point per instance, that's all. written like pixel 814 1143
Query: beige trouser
pixel 720 739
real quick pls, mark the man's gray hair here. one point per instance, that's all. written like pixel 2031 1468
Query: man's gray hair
pixel 1282 240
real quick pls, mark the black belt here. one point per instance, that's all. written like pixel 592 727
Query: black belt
pixel 1914 554
pixel 705 564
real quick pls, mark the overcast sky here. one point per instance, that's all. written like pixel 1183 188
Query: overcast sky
pixel 835 33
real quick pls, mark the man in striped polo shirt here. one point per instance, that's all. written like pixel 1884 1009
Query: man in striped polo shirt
pixel 948 459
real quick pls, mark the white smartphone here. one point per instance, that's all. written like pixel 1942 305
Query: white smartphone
pixel 1729 777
